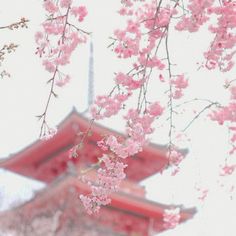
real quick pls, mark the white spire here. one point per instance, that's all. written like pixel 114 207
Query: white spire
pixel 90 78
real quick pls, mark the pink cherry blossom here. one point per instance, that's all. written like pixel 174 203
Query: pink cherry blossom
pixel 227 170
pixel 50 6
pixel 155 109
pixel 171 218
pixel 128 82
pixel 197 17
pixel 49 66
pixel 79 12
pixel 161 78
pixel 233 92
pixel 61 82
pixel 102 145
pixel 109 176
pixel 108 105
pixel 38 36
pixel 175 157
pixel 65 3
pixel 202 192
pixel 56 42
pixel 179 84
pixel 49 133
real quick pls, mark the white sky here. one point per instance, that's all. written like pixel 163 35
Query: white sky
pixel 23 96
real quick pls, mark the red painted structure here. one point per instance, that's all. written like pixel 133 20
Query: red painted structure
pixel 129 213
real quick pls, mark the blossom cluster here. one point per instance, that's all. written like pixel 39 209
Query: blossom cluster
pixel 60 37
pixel 109 176
pixel 49 133
pixel 228 114
pixel 171 218
pixel 175 158
pixel 179 84
pixel 107 106
pixel 130 42
pixel 56 42
pixel 202 192
pixel 138 127
pixel 197 17
pixel 227 169
pixel 222 47
pixel 145 24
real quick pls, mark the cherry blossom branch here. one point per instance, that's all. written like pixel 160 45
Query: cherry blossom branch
pixel 174 156
pixel 170 103
pixel 79 29
pixel 194 100
pixel 7 49
pixel 138 124
pixel 20 24
pixel 57 54
pixel 11 47
pixel 45 129
pixel 108 181
pixel 85 134
pixel 144 87
pixel 125 147
pixel 226 114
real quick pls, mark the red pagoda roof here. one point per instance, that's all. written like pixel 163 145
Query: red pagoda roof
pixel 45 160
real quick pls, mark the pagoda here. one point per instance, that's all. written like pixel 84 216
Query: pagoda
pixel 57 210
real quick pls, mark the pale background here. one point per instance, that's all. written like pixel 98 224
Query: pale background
pixel 23 96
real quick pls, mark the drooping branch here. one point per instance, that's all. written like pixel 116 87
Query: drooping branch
pixel 11 47
pixel 55 46
pixel 16 25
pixel 170 103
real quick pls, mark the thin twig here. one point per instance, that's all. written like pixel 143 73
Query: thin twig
pixel 170 103
pixel 16 25
pixel 195 117
pixel 79 29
